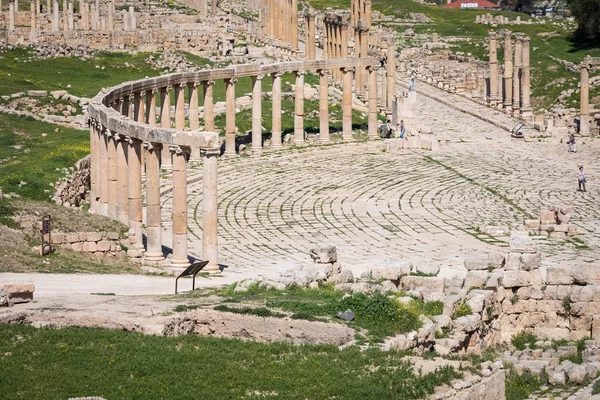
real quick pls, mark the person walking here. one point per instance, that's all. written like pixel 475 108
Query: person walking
pixel 401 129
pixel 581 179
pixel 390 129
pixel 571 143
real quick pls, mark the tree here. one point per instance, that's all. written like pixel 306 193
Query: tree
pixel 587 15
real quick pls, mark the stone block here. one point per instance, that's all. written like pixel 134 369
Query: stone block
pixel 556 378
pixel 558 235
pixel 324 255
pixel 532 224
pixel 112 236
pixel 391 271
pixel 72 237
pixel 522 244
pixel 427 268
pixel 557 275
pixel 37 93
pixel 432 284
pixel 90 247
pixel 563 219
pixel 476 263
pixel 561 228
pixel 77 246
pixel 513 262
pixel 19 292
pixel 477 279
pixel 94 236
pixel 512 279
pixel 58 238
pixel 104 245
pixel 496 260
pixel 530 261
pixel 468 323
pixel 346 276
pixel 548 217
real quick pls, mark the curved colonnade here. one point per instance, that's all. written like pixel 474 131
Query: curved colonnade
pixel 129 134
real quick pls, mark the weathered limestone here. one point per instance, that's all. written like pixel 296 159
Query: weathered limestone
pixel 516 105
pixel 391 75
pixel 112 175
pixel 209 208
pixel 526 110
pixel 11 15
pixel 508 70
pixel 180 107
pixel 154 247
pixel 276 108
pixel 122 180
pixel 584 106
pixel 324 106
pixel 347 104
pixel 257 114
pixel 165 122
pixel 209 115
pixel 230 127
pixel 310 40
pixel 372 102
pixel 134 156
pixel 493 97
pixel 299 108
pixel 180 245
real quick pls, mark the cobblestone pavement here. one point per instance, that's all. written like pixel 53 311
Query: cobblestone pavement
pixel 418 205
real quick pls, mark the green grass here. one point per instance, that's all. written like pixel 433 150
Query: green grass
pixel 258 311
pixel 523 340
pixel 462 310
pixel 74 362
pixel 28 156
pixel 519 387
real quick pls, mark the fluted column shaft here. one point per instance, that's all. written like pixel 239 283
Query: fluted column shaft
pixel 180 254
pixel 210 249
pixel 194 118
pixel 324 106
pixel 584 100
pixel 299 108
pixel 347 104
pixel 276 108
pixel 112 177
pixel 94 166
pixel 151 109
pixel 257 114
pixel 134 169
pixel 180 107
pixel 508 70
pixel 391 74
pixel 526 80
pixel 165 122
pixel 153 245
pixel 32 14
pixel 103 178
pixel 209 114
pixel 11 15
pixel 122 182
pixel 516 105
pixel 372 92
pixel 230 117
pixel 140 107
pixel 493 98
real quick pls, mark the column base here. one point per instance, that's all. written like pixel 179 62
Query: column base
pixel 166 167
pixel 213 269
pixel 277 146
pixel 527 114
pixel 324 141
pixel 153 257
pixel 179 264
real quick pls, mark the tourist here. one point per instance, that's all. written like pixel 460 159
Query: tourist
pixel 389 128
pixel 228 53
pixel 581 179
pixel 401 129
pixel 246 51
pixel 571 143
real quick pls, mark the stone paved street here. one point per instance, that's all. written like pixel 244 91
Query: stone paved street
pixel 418 205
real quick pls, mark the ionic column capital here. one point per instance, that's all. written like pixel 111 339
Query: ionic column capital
pixel 210 151
pixel 347 69
pixel 276 74
pixel 258 77
pixel 166 89
pixel 209 83
pixel 141 94
pixel 181 85
pixel 193 84
pixel 129 140
pixel 300 73
pixel 154 91
pixel 230 81
pixel 526 40
pixel 131 96
pixel 323 72
pixel 179 150
pixel 492 34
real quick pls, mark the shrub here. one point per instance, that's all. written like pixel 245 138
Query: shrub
pixel 462 309
pixel 260 311
pixel 522 339
pixel 519 387
pixel 596 387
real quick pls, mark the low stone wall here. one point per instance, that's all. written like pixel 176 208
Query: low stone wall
pixel 491 387
pixel 103 244
pixel 71 190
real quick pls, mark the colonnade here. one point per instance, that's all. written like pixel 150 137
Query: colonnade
pixel 282 21
pixel 131 132
pixel 335 38
pixel 512 91
pixel 584 108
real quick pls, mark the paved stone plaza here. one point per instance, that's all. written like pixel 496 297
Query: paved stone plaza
pixel 376 206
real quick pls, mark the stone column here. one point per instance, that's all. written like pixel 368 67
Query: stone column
pixel 180 107
pixel 257 114
pixel 153 246
pixel 70 20
pixel 94 166
pixel 508 70
pixel 151 108
pixel 55 17
pixel 230 127
pixel 347 104
pixel 391 74
pixel 210 248
pixel 165 122
pixel 209 115
pixel 526 111
pixel 194 118
pixel 84 18
pixel 48 6
pixel 344 38
pixel 112 175
pixel 325 40
pixel 276 108
pixel 180 254
pixel 134 171
pixel 324 106
pixel 110 16
pixel 122 207
pixel 299 108
pixel 493 98
pixel 214 8
pixel 11 15
pixel 93 21
pixel 32 13
pixel 584 101
pixel 132 22
pixel 139 108
pixel 516 105
pixel 65 17
pixel 384 91
pixel 310 51
pixel 372 103
pixel 294 30
pixel 104 168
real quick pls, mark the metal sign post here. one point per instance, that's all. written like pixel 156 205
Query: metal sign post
pixel 191 270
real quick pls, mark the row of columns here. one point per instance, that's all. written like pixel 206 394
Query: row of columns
pixel 116 192
pixel 335 38
pixel 282 21
pixel 310 49
pixel 584 108
pixel 516 90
